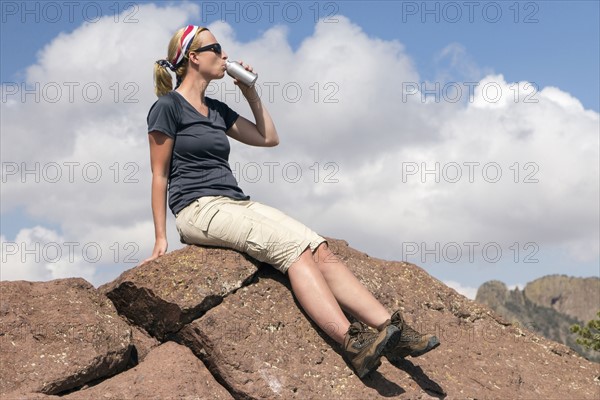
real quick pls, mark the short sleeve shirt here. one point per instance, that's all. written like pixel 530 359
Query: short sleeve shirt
pixel 200 160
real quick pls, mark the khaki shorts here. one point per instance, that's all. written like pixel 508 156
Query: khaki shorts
pixel 260 231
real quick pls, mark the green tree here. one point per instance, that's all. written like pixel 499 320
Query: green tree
pixel 589 335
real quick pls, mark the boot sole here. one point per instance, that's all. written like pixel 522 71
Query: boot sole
pixel 391 339
pixel 432 344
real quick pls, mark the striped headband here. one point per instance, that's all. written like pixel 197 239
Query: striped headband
pixel 184 44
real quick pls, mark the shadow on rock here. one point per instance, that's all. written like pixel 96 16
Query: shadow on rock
pixel 416 372
pixel 383 386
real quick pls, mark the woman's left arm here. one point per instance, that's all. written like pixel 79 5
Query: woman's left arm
pixel 263 132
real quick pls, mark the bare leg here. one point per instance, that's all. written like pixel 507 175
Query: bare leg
pixel 313 293
pixel 350 293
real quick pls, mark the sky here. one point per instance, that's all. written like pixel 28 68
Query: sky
pixel 460 136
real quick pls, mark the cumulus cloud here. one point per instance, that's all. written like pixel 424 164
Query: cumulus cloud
pixel 454 64
pixel 518 286
pixel 471 292
pixel 40 254
pixel 467 291
pixel 366 154
pixel 82 163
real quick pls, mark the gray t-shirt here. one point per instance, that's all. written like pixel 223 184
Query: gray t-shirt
pixel 200 160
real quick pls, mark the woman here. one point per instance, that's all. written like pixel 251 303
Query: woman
pixel 189 153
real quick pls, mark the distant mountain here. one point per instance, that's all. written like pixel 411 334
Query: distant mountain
pixel 547 306
pixel 576 297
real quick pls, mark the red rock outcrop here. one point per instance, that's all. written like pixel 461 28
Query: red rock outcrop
pixel 240 319
pixel 58 335
pixel 161 298
pixel 169 371
pixel 576 297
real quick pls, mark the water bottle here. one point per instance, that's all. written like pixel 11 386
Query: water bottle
pixel 237 71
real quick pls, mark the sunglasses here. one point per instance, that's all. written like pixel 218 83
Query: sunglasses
pixel 215 47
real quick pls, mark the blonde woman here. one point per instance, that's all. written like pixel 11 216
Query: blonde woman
pixel 189 152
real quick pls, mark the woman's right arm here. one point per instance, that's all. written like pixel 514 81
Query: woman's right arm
pixel 161 148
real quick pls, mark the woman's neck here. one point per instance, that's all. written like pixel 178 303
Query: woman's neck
pixel 193 88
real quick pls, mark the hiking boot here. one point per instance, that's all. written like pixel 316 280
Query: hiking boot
pixel 364 346
pixel 411 342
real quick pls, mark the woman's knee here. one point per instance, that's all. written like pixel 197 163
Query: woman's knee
pixel 304 260
pixel 324 257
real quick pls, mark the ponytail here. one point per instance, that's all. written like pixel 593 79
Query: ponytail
pixel 178 51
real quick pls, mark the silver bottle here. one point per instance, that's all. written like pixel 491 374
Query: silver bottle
pixel 237 71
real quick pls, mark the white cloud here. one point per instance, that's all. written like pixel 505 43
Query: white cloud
pixel 353 116
pixel 519 286
pixel 454 64
pixel 39 254
pixel 467 291
pixel 471 292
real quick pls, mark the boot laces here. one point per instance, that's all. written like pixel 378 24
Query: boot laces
pixel 362 335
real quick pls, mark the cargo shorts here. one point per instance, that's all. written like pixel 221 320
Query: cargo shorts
pixel 258 230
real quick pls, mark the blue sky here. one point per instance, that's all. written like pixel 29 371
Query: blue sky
pixel 553 45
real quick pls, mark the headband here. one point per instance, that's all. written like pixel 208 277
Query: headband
pixel 184 44
pixel 166 64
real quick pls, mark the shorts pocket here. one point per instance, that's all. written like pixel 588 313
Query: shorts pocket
pixel 229 228
pixel 201 218
pixel 217 223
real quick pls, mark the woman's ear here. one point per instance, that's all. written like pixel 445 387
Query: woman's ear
pixel 194 58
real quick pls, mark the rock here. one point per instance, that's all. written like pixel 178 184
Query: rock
pixel 262 346
pixel 517 307
pixel 143 343
pixel 492 293
pixel 170 371
pixel 163 295
pixel 578 298
pixel 29 396
pixel 58 335
pixel 241 319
